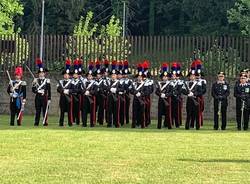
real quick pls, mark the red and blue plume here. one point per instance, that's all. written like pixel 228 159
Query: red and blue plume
pixel 120 65
pixel 198 64
pixel 174 66
pixel 79 63
pixel 106 63
pixel 97 65
pixel 164 67
pixel 67 64
pixel 193 67
pixel 76 64
pixel 39 63
pixel 140 67
pixel 113 65
pixel 178 66
pixel 146 64
pixel 125 64
pixel 91 66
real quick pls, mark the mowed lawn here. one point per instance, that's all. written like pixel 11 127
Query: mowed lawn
pixel 99 155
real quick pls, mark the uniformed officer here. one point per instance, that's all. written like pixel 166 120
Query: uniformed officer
pixel 193 90
pixel 100 95
pixel 65 101
pixel 121 94
pixel 200 79
pixel 127 85
pixel 112 98
pixel 139 91
pixel 242 93
pixel 17 92
pixel 89 99
pixel 42 89
pixel 220 92
pixel 76 90
pixel 149 84
pixel 164 92
pixel 105 88
pixel 176 95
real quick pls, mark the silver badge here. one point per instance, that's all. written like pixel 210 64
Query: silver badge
pixel 225 87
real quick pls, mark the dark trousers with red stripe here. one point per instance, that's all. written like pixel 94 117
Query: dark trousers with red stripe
pixel 164 109
pixel 138 117
pixel 192 108
pixel 40 106
pixel 113 110
pixel 100 106
pixel 122 108
pixel 180 110
pixel 88 107
pixel 76 109
pixel 175 110
pixel 147 110
pixel 127 107
pixel 14 112
pixel 65 107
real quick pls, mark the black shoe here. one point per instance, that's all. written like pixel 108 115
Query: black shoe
pixel 36 124
pixel 216 128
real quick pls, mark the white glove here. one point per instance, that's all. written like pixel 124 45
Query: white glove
pixel 49 101
pixel 14 95
pixel 41 91
pixel 163 95
pixel 120 93
pixel 24 101
pixel 66 91
pixel 138 94
pixel 191 94
pixel 113 90
pixel 87 93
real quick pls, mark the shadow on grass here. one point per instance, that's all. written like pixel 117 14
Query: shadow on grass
pixel 216 160
pixel 151 129
pixel 53 125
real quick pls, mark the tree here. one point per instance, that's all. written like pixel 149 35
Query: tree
pixel 240 14
pixel 60 16
pixel 106 40
pixel 8 10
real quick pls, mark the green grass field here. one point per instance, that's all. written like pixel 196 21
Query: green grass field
pixel 99 155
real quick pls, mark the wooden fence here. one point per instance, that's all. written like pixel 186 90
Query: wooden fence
pixel 229 54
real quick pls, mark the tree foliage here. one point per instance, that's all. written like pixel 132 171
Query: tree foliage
pixel 240 14
pixel 8 10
